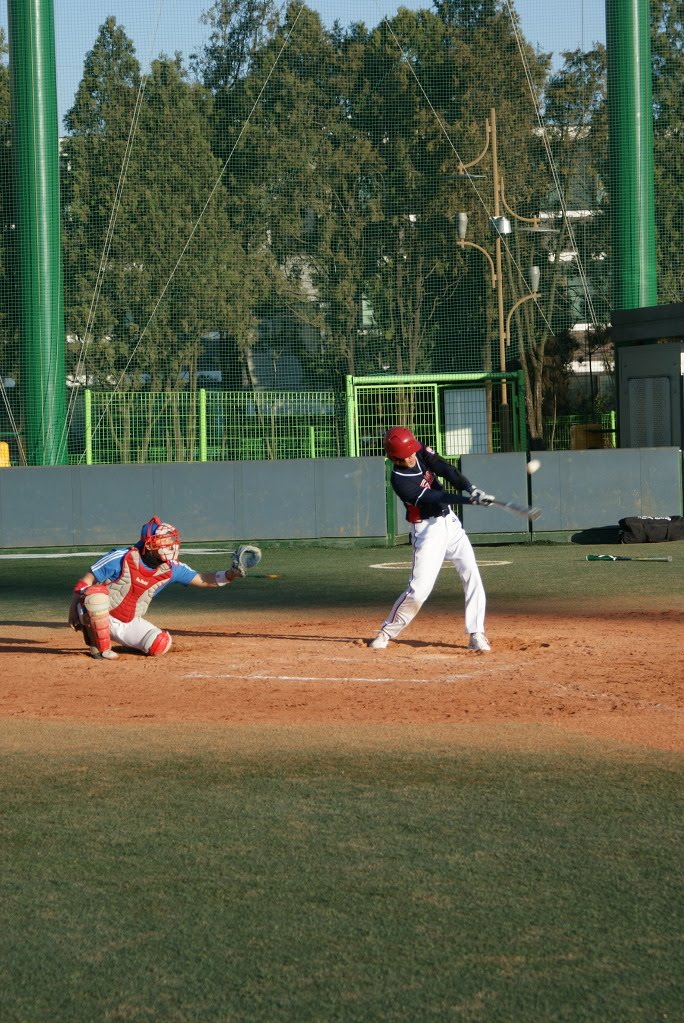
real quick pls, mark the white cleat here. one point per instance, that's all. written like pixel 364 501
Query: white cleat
pixel 380 642
pixel 478 641
pixel 105 655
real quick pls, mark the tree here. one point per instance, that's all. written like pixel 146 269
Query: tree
pixel 165 240
pixel 667 48
pixel 240 28
pixel 235 66
pixel 574 264
pixel 10 354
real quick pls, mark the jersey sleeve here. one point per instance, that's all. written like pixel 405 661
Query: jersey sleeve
pixel 109 567
pixel 182 573
pixel 407 488
pixel 411 491
pixel 447 471
pixel 439 498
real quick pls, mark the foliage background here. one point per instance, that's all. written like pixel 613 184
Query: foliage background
pixel 278 208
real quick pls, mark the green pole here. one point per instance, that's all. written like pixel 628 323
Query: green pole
pixel 391 506
pixel 35 143
pixel 630 114
pixel 88 426
pixel 203 424
pixel 351 419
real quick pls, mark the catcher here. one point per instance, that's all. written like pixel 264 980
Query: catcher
pixel 111 600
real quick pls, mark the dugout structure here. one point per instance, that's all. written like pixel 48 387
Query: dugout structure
pixel 649 359
pixel 456 413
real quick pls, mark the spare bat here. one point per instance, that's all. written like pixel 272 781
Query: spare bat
pixel 523 510
pixel 622 557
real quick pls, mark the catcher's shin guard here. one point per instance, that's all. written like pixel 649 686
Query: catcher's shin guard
pixel 95 618
pixel 157 643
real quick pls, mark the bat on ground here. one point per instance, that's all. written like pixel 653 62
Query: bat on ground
pixel 623 557
pixel 523 510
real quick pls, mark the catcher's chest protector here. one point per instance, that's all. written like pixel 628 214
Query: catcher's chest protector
pixel 131 593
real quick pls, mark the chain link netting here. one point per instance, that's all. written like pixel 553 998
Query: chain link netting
pixel 290 202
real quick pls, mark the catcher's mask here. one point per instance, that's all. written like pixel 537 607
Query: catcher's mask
pixel 161 539
pixel 400 443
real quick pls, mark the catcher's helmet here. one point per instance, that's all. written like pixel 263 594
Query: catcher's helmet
pixel 400 443
pixel 161 538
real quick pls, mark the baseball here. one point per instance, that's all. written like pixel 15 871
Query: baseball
pixel 534 465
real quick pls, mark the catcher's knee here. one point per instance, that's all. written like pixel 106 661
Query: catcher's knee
pixel 157 643
pixel 95 618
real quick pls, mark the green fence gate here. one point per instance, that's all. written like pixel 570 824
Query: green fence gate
pixel 456 413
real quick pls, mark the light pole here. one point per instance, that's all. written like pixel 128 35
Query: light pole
pixel 502 227
pixel 533 293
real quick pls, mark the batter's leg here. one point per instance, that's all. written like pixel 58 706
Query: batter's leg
pixel 429 545
pixel 462 556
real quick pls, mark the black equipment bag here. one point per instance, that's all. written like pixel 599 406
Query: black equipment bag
pixel 651 528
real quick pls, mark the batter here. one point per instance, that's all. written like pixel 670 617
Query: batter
pixel 436 535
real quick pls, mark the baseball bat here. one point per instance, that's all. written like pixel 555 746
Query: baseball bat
pixel 523 510
pixel 622 557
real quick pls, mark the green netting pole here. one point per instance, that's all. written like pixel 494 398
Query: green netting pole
pixel 203 424
pixel 630 112
pixel 312 442
pixel 88 421
pixel 391 505
pixel 36 178
pixel 351 419
pixel 439 426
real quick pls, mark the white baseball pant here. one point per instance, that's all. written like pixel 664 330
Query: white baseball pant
pixel 434 541
pixel 138 634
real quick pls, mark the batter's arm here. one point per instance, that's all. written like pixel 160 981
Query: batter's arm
pixel 439 498
pixel 447 471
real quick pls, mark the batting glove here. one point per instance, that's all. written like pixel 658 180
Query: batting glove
pixel 478 496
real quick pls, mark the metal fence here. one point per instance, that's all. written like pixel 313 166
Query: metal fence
pixel 208 426
pixel 456 416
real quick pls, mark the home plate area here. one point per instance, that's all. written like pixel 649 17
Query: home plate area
pixel 615 676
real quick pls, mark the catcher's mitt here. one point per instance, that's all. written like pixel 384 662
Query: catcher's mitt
pixel 245 557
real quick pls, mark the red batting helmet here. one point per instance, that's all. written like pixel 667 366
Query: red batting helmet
pixel 400 443
pixel 161 538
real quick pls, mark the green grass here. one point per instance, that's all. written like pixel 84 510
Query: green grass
pixel 279 885
pixel 550 576
pixel 183 878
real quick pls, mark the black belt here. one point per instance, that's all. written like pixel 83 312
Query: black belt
pixel 440 515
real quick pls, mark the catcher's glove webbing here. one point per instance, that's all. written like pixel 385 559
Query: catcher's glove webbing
pixel 244 558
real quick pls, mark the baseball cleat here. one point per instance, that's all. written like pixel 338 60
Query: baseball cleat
pixel 105 655
pixel 380 641
pixel 478 641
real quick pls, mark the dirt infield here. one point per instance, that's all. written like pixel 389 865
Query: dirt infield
pixel 617 677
